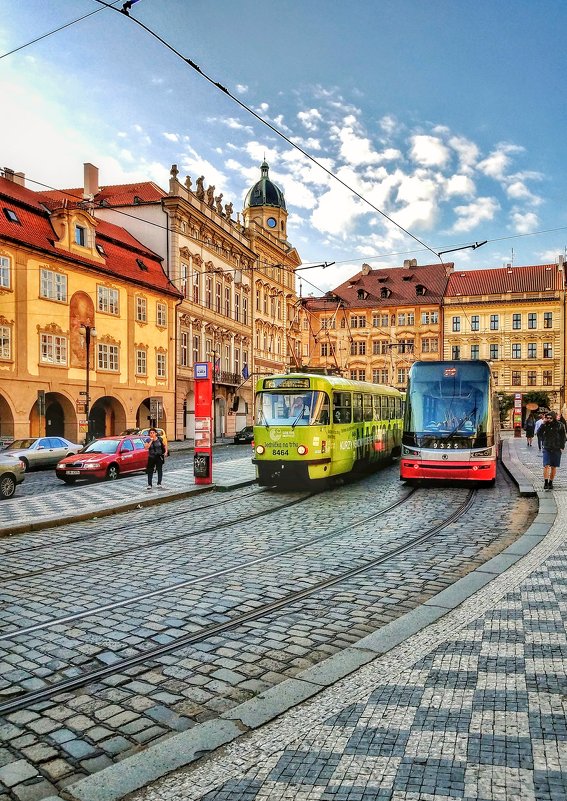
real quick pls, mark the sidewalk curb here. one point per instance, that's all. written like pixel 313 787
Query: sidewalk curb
pixel 186 748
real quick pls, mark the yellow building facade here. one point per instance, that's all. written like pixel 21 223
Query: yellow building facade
pixel 71 284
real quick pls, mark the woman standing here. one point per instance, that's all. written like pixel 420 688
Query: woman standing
pixel 529 428
pixel 157 451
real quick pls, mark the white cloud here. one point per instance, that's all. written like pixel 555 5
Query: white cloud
pixel 241 88
pixel 467 151
pixel 389 124
pixel 460 185
pixel 518 191
pixel 171 137
pixel 496 164
pixel 429 151
pixel 524 222
pixel 354 149
pixel 336 212
pixel 310 119
pixel 483 209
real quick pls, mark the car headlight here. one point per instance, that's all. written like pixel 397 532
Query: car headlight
pixel 92 465
pixel 60 466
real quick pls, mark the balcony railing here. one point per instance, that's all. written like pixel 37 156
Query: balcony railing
pixel 230 379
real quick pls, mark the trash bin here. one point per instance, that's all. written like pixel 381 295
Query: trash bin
pixel 517 431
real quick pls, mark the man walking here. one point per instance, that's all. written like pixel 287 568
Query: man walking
pixel 553 440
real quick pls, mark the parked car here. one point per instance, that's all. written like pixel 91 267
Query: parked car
pixel 145 432
pixel 12 473
pixel 38 452
pixel 245 434
pixel 108 457
pixel 128 431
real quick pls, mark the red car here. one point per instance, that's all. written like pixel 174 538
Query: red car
pixel 108 457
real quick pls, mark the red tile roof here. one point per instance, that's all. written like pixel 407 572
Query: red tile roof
pixel 121 250
pixel 396 286
pixel 503 280
pixel 116 195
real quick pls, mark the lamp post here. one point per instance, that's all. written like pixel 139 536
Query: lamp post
pixel 88 331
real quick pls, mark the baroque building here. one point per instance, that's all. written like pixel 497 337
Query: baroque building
pixel 513 317
pixel 377 323
pixel 87 315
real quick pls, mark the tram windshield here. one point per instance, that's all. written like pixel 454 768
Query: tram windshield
pixel 307 408
pixel 448 406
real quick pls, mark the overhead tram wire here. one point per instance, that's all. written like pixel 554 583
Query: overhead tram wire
pixel 275 130
pixel 55 30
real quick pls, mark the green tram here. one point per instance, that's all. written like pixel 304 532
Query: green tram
pixel 312 428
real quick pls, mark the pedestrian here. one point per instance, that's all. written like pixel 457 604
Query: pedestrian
pixel 157 451
pixel 529 428
pixel 537 429
pixel 553 438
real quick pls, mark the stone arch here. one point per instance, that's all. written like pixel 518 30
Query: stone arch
pixel 107 417
pixel 6 418
pixel 60 418
pixel 144 418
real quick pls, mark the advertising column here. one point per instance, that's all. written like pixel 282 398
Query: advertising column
pixel 203 457
pixel 517 420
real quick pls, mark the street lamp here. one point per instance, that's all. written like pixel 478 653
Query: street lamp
pixel 88 331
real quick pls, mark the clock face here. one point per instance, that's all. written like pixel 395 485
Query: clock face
pixel 271 222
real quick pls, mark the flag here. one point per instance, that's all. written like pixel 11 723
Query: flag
pixel 217 366
pixel 245 372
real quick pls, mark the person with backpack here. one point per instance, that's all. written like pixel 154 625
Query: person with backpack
pixel 157 451
pixel 553 438
pixel 529 428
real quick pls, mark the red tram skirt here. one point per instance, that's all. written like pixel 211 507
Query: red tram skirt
pixel 455 471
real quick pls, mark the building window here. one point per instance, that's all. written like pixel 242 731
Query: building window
pixel 384 376
pixel 53 349
pixel 107 357
pixel 161 365
pixel 532 350
pixel 227 301
pixel 196 349
pixel 516 350
pixel 456 323
pixel 516 378
pixel 475 351
pixel 107 300
pixel 475 322
pixel 494 322
pixel 548 319
pixel 184 278
pixel 324 348
pixel 357 348
pixel 195 286
pixel 80 235
pixel 493 351
pixel 209 292
pixel 53 285
pixel 532 378
pixel 184 349
pixel 237 361
pixel 258 300
pixel 532 320
pixel 161 315
pixel 411 318
pixel 218 298
pixel 405 346
pixel 141 362
pixel 456 352
pixel 430 345
pixel 4 272
pixel 547 378
pixel 362 375
pixel 516 322
pixel 141 309
pixel 358 321
pixel 5 342
pixel 375 323
pixel 401 318
pixel 237 307
pixel 402 375
pixel 428 317
pixel 245 311
pixel 547 350
pixel 379 346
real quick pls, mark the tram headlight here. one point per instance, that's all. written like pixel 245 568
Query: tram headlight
pixel 260 450
pixel 302 450
pixel 409 452
pixel 486 452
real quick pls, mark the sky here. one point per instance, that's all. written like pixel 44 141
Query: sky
pixel 445 118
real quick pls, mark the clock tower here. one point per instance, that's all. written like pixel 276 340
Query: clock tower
pixel 265 205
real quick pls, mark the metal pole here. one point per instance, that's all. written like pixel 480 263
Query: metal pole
pixel 87 398
pixel 214 382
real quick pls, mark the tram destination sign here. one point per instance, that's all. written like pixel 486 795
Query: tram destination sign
pixel 286 383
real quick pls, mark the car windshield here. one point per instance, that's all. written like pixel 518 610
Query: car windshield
pixel 102 446
pixel 20 444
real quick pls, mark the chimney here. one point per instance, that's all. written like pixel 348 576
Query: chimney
pixel 560 263
pixel 366 269
pixel 8 174
pixel 91 187
pixel 20 178
pixel 409 263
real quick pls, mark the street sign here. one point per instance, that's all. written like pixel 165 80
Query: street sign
pixel 82 392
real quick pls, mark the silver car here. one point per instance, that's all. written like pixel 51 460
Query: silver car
pixel 38 452
pixel 12 473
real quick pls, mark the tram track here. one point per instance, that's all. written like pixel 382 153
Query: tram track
pixel 157 543
pixel 47 693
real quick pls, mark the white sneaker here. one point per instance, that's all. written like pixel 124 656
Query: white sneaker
pixel 159 486
pixel 149 489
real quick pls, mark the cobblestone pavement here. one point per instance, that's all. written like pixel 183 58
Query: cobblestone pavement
pixel 48 747
pixel 471 707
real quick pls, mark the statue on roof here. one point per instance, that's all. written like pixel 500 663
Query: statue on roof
pixel 210 195
pixel 200 191
pixel 174 172
pixel 228 209
pixel 218 203
pixel 188 182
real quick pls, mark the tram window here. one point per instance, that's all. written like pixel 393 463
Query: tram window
pixel 384 404
pixel 357 407
pixel 392 407
pixel 321 409
pixel 342 407
pixel 376 404
pixel 367 401
pixel 398 406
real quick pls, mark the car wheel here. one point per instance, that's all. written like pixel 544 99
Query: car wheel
pixel 25 463
pixel 113 472
pixel 69 479
pixel 7 486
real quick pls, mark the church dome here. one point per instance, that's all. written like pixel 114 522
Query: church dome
pixel 265 192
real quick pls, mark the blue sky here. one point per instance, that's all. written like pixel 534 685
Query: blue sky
pixel 449 116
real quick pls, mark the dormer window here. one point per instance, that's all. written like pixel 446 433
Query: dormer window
pixel 407 277
pixel 142 265
pixel 420 289
pixel 80 235
pixel 12 216
pixel 100 249
pixel 382 279
pixel 362 294
pixel 385 292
